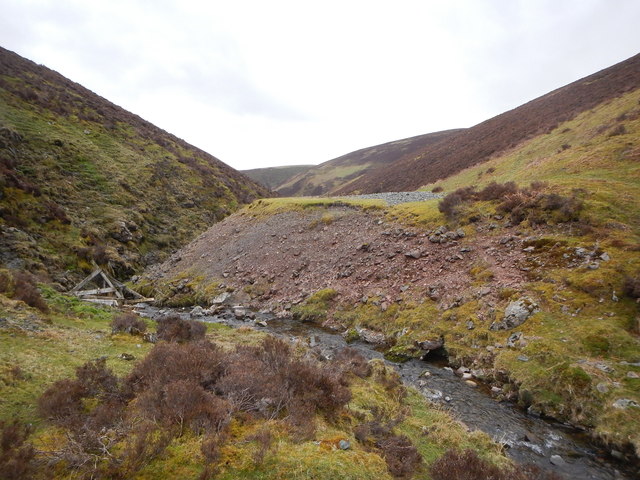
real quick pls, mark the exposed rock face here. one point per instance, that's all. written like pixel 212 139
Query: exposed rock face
pixel 516 314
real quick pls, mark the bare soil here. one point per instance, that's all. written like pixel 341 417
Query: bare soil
pixel 284 258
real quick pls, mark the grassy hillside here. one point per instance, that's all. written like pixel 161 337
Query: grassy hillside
pixel 340 172
pixel 273 177
pixel 499 134
pixel 83 180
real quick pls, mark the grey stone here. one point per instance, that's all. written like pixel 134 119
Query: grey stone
pixel 557 460
pixel 197 311
pixel 581 252
pixel 431 344
pixel 370 336
pixel 516 314
pixel 602 387
pixel 413 254
pixel 344 445
pixel 470 325
pixel 529 249
pixel 623 403
pixel 605 257
pixel 220 299
pixel 513 338
pixel 632 375
pixel 523 358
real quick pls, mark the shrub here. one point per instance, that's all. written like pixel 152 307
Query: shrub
pixel 61 403
pixel 618 130
pixel 496 191
pixel 350 360
pixel 401 456
pixel 25 289
pixel 128 323
pixel 186 404
pixel 5 282
pixel 437 189
pixel 631 286
pixel 16 455
pixel 201 361
pixel 467 465
pixel 172 328
pixel 97 379
pixel 448 204
pixel 263 439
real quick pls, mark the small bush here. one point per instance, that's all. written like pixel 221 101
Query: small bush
pixel 185 403
pixel 467 465
pixel 16 455
pixel 401 456
pixel 25 289
pixel 97 380
pixel 5 282
pixel 263 439
pixel 618 130
pixel 61 403
pixel 172 328
pixel 631 286
pixel 496 191
pixel 448 205
pixel 437 189
pixel 352 361
pixel 200 361
pixel 128 323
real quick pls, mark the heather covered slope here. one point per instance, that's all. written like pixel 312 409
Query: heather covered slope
pixel 84 180
pixel 273 177
pixel 488 139
pixel 340 172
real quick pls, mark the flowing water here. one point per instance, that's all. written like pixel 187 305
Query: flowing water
pixel 526 438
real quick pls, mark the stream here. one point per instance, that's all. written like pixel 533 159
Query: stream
pixel 526 438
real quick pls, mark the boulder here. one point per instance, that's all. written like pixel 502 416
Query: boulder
pixel 197 311
pixel 516 313
pixel 369 336
pixel 623 403
pixel 220 299
pixel 431 344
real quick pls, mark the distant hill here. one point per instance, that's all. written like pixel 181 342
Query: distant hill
pixel 438 160
pixel 273 177
pixel 339 173
pixel 83 180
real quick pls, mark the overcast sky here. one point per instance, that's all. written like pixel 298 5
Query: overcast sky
pixel 270 82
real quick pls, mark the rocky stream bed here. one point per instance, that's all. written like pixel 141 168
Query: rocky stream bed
pixel 526 438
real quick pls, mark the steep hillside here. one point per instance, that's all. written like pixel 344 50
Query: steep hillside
pixel 84 180
pixel 273 177
pixel 534 287
pixel 506 131
pixel 340 172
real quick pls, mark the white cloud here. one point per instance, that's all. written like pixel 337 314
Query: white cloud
pixel 281 82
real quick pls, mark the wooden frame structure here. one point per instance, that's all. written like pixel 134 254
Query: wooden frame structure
pixel 107 290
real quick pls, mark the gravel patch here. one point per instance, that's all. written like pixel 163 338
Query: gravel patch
pixel 396 198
